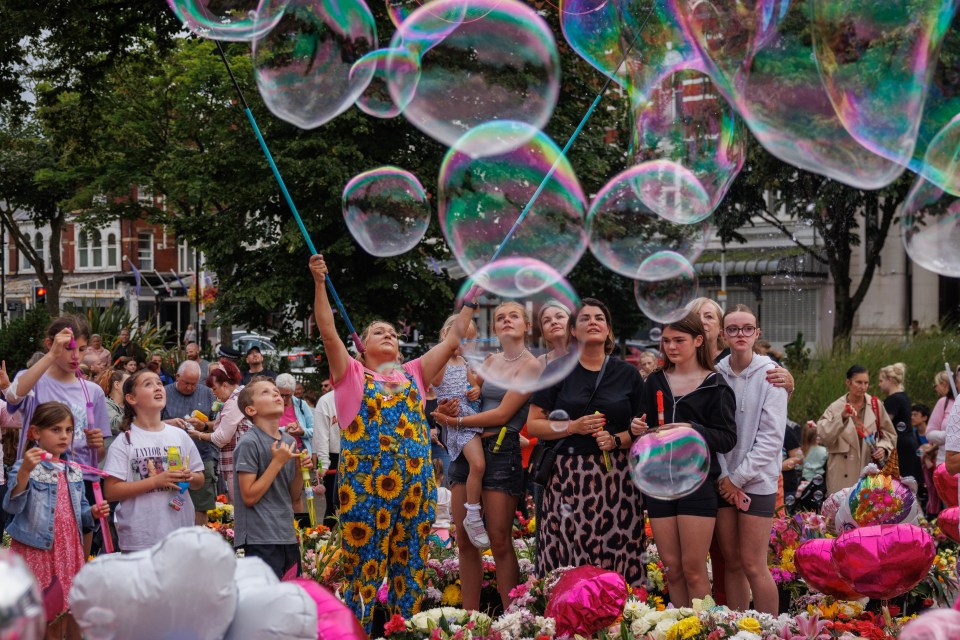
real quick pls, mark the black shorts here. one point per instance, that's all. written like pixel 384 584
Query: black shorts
pixel 703 502
pixel 504 469
pixel 279 557
pixel 761 506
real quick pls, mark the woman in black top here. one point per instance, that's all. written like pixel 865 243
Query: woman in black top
pixel 589 513
pixel 898 406
pixel 693 396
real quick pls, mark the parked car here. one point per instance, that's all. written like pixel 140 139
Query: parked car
pixel 243 340
pixel 301 359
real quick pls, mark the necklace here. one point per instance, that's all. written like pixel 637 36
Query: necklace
pixel 515 358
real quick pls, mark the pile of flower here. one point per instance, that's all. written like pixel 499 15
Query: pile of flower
pixel 220 518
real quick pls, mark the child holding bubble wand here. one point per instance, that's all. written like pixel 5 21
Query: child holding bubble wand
pixel 48 502
pixel 139 464
pixel 693 396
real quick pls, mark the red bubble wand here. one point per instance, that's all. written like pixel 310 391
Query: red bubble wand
pixel 95 484
pixel 660 419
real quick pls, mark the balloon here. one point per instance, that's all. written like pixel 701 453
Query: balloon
pixel 946 484
pixel 669 464
pixel 880 499
pixel 21 607
pixel 183 585
pixel 815 566
pixel 949 523
pixel 334 620
pixel 831 506
pixel 884 561
pixel 933 625
pixel 268 609
pixel 585 600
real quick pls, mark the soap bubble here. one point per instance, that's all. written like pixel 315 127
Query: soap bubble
pixel 303 66
pixel 233 20
pixel 941 162
pixel 624 228
pixel 497 353
pixel 684 120
pixel 401 65
pixel 559 420
pixel 480 199
pixel 504 66
pixel 386 211
pixel 669 464
pixel 667 283
pixel 395 377
pixel 930 228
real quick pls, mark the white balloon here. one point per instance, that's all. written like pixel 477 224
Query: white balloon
pixel 182 587
pixel 268 609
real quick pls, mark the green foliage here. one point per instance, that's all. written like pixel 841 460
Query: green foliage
pixel 823 382
pixel 23 337
pixel 108 321
pixel 797 354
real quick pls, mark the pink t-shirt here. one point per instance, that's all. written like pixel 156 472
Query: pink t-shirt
pixel 289 416
pixel 350 388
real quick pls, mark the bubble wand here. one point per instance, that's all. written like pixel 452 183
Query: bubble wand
pixel 660 418
pixel 308 492
pixel 287 197
pixel 95 484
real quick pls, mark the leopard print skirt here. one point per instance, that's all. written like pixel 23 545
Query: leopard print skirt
pixel 592 517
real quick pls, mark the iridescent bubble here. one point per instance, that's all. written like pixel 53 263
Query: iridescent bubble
pixel 234 20
pixel 876 61
pixel 404 69
pixel 481 198
pixel 303 66
pixel 930 228
pixel 941 163
pixel 667 283
pixel 504 66
pixel 773 80
pixel 504 351
pixel 624 228
pixel 559 420
pixel 669 464
pixel 386 211
pixel 400 10
pixel 683 119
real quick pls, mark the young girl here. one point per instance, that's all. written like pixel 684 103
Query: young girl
pixel 458 382
pixel 693 396
pixel 47 500
pixel 152 496
pixel 751 469
pixel 54 379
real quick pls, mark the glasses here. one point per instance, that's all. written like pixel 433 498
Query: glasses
pixel 746 331
pixel 286 395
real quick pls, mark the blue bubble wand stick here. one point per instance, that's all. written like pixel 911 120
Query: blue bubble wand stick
pixel 286 194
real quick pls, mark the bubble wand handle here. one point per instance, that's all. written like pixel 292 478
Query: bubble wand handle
pixel 659 408
pixel 287 197
pixel 95 484
pixel 104 525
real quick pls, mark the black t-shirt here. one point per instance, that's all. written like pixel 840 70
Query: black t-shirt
pixel 791 479
pixel 618 398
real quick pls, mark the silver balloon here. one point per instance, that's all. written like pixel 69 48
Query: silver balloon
pixel 21 605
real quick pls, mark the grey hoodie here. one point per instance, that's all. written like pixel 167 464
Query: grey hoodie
pixel 754 464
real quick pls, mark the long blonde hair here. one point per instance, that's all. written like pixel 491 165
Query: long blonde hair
pixel 695 305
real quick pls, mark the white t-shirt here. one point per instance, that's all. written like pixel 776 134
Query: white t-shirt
pixel 144 520
pixel 326 430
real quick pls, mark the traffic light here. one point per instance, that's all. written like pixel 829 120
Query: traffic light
pixel 40 295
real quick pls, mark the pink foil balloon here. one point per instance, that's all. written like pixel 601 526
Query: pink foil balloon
pixel 815 565
pixel 949 523
pixel 884 561
pixel 933 625
pixel 946 484
pixel 334 620
pixel 585 600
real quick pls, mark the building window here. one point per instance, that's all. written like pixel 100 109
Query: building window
pixel 186 258
pixel 96 247
pixel 38 245
pixel 145 195
pixel 145 250
pixel 90 249
pixel 112 250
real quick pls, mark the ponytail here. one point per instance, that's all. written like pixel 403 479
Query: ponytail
pixel 129 414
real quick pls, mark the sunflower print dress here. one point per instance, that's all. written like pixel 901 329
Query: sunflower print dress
pixel 387 499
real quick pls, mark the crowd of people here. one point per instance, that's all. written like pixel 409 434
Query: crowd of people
pixel 398 452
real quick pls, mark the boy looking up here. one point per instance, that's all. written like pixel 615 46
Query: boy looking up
pixel 268 481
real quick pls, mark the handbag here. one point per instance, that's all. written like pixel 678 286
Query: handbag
pixel 544 454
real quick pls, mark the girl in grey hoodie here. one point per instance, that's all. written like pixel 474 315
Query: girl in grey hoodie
pixel 748 480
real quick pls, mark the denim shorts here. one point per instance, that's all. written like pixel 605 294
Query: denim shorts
pixel 504 468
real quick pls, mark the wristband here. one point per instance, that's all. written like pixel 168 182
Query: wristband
pixel 617 441
pixel 472 305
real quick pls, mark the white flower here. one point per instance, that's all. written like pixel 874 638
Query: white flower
pixel 634 610
pixel 746 635
pixel 660 631
pixel 640 627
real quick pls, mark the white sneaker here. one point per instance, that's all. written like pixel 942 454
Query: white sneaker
pixel 476 531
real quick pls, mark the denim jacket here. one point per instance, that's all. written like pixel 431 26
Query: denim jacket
pixel 34 509
pixel 305 418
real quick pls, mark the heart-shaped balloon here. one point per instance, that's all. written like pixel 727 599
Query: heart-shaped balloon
pixel 884 561
pixel 946 484
pixel 949 523
pixel 815 565
pixel 334 620
pixel 585 600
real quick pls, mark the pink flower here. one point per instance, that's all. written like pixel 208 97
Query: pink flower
pixel 396 624
pixel 382 593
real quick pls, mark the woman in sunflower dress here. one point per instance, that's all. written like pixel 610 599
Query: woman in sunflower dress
pixel 387 491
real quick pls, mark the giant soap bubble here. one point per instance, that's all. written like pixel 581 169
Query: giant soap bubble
pixel 481 198
pixel 384 66
pixel 303 66
pixel 235 20
pixel 930 228
pixel 669 464
pixel 504 66
pixel 386 211
pixel 624 228
pixel 666 283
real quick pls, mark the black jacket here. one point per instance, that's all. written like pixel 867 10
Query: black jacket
pixel 710 409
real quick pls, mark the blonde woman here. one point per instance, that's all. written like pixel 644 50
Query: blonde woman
pixel 898 406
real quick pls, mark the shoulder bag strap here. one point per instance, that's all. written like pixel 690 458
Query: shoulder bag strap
pixel 596 385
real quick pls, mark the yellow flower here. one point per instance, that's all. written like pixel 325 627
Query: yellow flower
pixel 388 486
pixel 370 570
pixel 451 596
pixel 367 593
pixel 354 431
pixel 357 534
pixel 383 519
pixel 414 465
pixel 399 586
pixel 348 498
pixel 409 508
pixel 350 463
pixel 684 629
pixel 749 624
pixel 786 560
